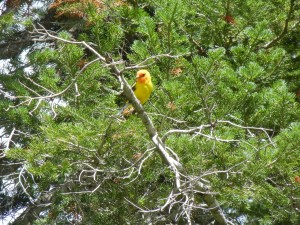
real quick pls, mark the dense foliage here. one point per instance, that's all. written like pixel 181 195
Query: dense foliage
pixel 226 101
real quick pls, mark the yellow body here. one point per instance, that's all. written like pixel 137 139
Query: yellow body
pixel 143 86
pixel 142 90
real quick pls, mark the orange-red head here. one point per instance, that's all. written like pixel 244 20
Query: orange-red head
pixel 143 76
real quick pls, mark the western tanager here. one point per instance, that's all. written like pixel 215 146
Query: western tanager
pixel 142 90
pixel 143 86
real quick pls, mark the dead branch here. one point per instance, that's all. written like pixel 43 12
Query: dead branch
pixel 143 64
pixel 186 196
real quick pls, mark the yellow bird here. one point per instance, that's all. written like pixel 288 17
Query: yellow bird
pixel 143 86
pixel 142 90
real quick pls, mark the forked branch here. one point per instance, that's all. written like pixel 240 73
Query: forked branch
pixel 181 179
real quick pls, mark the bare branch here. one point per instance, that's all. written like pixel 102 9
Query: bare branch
pixel 21 178
pixel 224 171
pixel 10 138
pixel 182 196
pixel 167 117
pixel 264 130
pixel 155 57
pixel 174 165
pixel 179 131
pixel 38 85
pixel 244 127
pixel 88 46
pixel 52 95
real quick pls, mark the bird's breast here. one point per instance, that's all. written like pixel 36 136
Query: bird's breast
pixel 143 91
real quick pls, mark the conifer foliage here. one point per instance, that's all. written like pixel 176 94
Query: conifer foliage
pixel 217 143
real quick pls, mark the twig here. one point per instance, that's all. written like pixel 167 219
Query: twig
pixel 22 185
pixel 141 210
pixel 71 42
pixel 249 128
pixel 180 131
pixel 52 95
pixel 224 171
pixel 38 85
pixel 142 64
pixel 10 138
pixel 167 117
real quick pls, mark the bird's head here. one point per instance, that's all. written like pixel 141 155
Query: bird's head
pixel 143 76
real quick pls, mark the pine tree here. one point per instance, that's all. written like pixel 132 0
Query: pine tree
pixel 216 143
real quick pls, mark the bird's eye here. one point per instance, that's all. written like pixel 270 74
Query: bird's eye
pixel 143 75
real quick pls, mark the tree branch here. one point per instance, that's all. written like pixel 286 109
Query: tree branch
pixel 168 156
pixel 285 28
